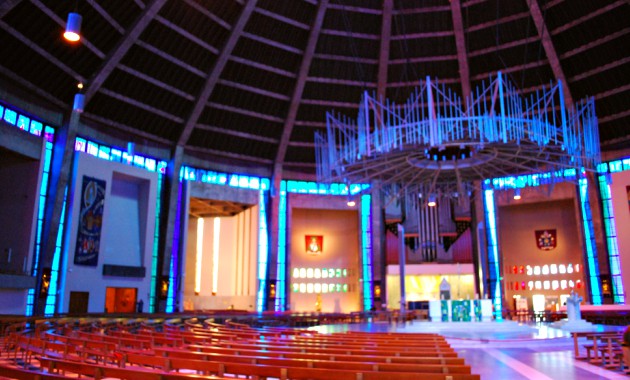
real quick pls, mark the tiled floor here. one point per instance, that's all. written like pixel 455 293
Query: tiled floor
pixel 506 350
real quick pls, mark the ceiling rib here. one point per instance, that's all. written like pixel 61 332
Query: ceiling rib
pixel 596 43
pixel 143 106
pixel 7 6
pixel 273 43
pixel 254 90
pixel 51 58
pixel 281 18
pixel 186 34
pixel 222 153
pixel 298 90
pixel 230 132
pixel 245 112
pixel 215 73
pixel 31 87
pixel 209 14
pixel 383 56
pixel 262 66
pixel 170 58
pixel 600 69
pixel 123 127
pixel 616 116
pixel 106 16
pixel 121 48
pixel 588 16
pixel 156 82
pixel 460 43
pixel 345 58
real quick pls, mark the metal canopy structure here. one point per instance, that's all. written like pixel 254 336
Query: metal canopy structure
pixel 246 84
pixel 435 145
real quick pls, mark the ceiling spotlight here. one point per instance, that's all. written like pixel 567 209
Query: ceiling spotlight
pixel 80 85
pixel 431 202
pixel 73 27
pixel 517 193
pixel 351 203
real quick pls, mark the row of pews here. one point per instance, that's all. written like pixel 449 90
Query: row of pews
pixel 193 349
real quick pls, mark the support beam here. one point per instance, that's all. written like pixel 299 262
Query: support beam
pixel 460 42
pixel 167 231
pixel 61 171
pixel 120 50
pixel 550 50
pixel 300 82
pixel 215 73
pixel 383 57
pixel 39 50
pixel 7 6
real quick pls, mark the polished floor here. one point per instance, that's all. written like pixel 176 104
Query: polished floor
pixel 506 350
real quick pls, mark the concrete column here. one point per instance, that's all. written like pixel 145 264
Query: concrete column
pixel 167 225
pixel 60 174
pixel 401 263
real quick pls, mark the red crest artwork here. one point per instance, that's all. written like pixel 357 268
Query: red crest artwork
pixel 314 244
pixel 546 240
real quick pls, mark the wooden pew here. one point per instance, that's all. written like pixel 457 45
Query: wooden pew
pixel 192 363
pixel 25 374
pixel 176 352
pixel 99 372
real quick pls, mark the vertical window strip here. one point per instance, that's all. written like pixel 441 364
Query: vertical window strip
pixel 156 239
pixel 611 240
pixel 281 268
pixel 51 297
pixel 589 240
pixel 263 252
pixel 43 196
pixel 493 253
pixel 366 244
pixel 173 271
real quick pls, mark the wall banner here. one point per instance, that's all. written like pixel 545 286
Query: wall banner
pixel 90 221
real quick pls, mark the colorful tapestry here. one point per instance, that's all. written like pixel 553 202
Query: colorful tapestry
pixel 477 310
pixel 444 309
pixel 90 221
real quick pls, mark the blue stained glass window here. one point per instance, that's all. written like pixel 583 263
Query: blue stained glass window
pixel 10 116
pixel 80 144
pixel 23 122
pixel 1 111
pixel 92 148
pixel 36 128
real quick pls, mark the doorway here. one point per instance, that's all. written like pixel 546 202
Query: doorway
pixel 120 300
pixel 78 302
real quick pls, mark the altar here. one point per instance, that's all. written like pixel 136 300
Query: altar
pixel 460 310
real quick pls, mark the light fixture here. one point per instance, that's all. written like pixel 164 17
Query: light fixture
pixel 73 27
pixel 431 202
pixel 517 193
pixel 79 102
pixel 351 203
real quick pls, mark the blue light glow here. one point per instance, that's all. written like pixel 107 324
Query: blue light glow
pixel 611 235
pixel 366 251
pixel 263 252
pixel 494 275
pixel 51 297
pixel 589 240
pixel 282 249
